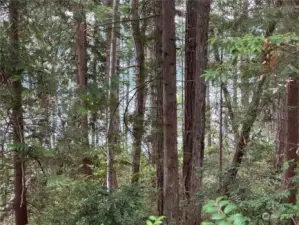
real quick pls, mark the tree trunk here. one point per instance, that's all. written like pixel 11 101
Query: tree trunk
pixel 291 126
pixel 252 112
pixel 243 137
pixel 171 179
pixel 82 67
pixel 20 202
pixel 138 131
pixel 94 112
pixel 114 127
pixel 190 73
pixel 280 132
pixel 159 136
pixel 108 43
pixel 291 139
pixel 220 155
pixel 81 61
pixel 209 110
pixel 199 107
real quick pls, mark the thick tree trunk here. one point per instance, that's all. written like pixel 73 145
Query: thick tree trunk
pixel 138 129
pixel 159 135
pixel 20 202
pixel 171 179
pixel 114 127
pixel 291 138
pixel 190 73
pixel 199 107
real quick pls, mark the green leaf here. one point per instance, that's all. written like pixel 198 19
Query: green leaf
pixel 229 209
pixel 224 222
pixel 223 203
pixel 218 216
pixel 152 218
pixel 239 220
pixel 149 222
pixel 234 216
pixel 211 209
pixel 161 218
pixel 220 198
pixel 207 223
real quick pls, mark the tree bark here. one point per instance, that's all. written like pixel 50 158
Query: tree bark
pixel 20 202
pixel 280 132
pixel 198 127
pixel 138 129
pixel 190 73
pixel 81 61
pixel 291 132
pixel 290 153
pixel 108 43
pixel 114 127
pixel 209 110
pixel 159 135
pixel 220 153
pixel 171 179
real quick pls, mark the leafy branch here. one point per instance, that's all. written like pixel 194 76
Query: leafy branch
pixel 221 212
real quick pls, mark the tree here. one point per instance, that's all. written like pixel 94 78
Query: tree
pixel 198 127
pixel 290 153
pixel 190 74
pixel 158 131
pixel 20 192
pixel 138 124
pixel 171 179
pixel 114 129
pixel 291 127
pixel 81 62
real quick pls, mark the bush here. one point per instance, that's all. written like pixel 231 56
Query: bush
pixel 86 203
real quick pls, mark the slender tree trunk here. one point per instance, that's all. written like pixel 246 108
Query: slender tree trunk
pixel 20 202
pixel 114 127
pixel 94 113
pixel 140 101
pixel 220 153
pixel 199 106
pixel 243 137
pixel 81 60
pixel 108 43
pixel 190 73
pixel 209 122
pixel 82 67
pixel 127 98
pixel 171 178
pixel 245 87
pixel 291 139
pixel 159 135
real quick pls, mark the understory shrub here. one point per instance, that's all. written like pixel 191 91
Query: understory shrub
pixel 71 202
